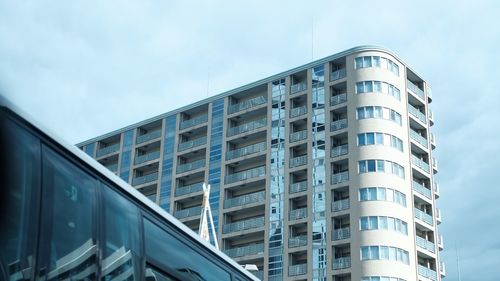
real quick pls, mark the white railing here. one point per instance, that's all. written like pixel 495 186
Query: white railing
pixel 340 205
pixel 338 74
pixel 415 112
pixel 425 244
pixel 418 138
pixel 297 241
pixel 421 215
pixel 427 272
pixel 253 249
pixel 299 87
pixel 420 163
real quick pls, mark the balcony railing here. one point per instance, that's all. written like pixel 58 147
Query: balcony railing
pixel 144 179
pixel 243 225
pixel 147 157
pixel 108 149
pixel 297 214
pixel 297 269
pixel 298 161
pixel 247 127
pixel 421 215
pixel 298 136
pixel 297 241
pixel 440 241
pixel 418 138
pixel 298 187
pixel 415 112
pixel 247 104
pixel 420 163
pixel 433 140
pixel 248 250
pixel 438 215
pixel 340 205
pixel 245 199
pixel 442 269
pixel 436 189
pixel 194 121
pixel 188 189
pixel 341 263
pixel 192 143
pixel 339 150
pixel 338 125
pixel 298 111
pixel 422 190
pixel 427 272
pixel 247 150
pixel 245 175
pixel 186 213
pixel 147 137
pixel 341 233
pixel 415 89
pixel 299 87
pixel 340 177
pixel 434 164
pixel 182 168
pixel 431 116
pixel 425 244
pixel 338 74
pixel 338 99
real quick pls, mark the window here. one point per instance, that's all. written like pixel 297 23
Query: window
pixel 382 194
pixel 371 138
pixel 376 61
pixel 384 253
pixel 383 223
pixel 378 112
pixel 378 87
pixel 381 166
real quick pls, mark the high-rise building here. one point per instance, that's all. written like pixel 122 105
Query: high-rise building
pixel 322 172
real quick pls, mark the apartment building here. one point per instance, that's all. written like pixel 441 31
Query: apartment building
pixel 322 172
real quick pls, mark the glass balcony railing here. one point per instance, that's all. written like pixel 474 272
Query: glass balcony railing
pixel 417 187
pixel 338 74
pixel 421 215
pixel 442 269
pixel 298 161
pixel 297 241
pixel 298 111
pixel 248 250
pixel 194 121
pixel 338 125
pixel 340 205
pixel 299 87
pixel 438 215
pixel 415 112
pixel 425 244
pixel 247 127
pixel 186 213
pixel 298 187
pixel 149 136
pixel 245 175
pixel 144 179
pixel 182 168
pixel 415 89
pixel 146 157
pixel 247 150
pixel 108 150
pixel 188 189
pixel 420 163
pixel 418 138
pixel 339 150
pixel 297 214
pixel 341 233
pixel 338 99
pixel 243 225
pixel 247 104
pixel 341 263
pixel 298 136
pixel 192 143
pixel 433 140
pixel 245 199
pixel 436 189
pixel 340 177
pixel 297 269
pixel 427 272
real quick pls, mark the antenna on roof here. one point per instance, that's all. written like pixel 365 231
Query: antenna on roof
pixel 458 262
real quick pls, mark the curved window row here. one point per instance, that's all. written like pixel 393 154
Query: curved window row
pixel 378 87
pixel 380 112
pixel 384 253
pixel 376 61
pixel 380 138
pixel 381 166
pixel 382 194
pixel 383 223
pixel 381 278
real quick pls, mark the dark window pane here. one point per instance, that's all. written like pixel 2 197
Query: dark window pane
pixel 371 165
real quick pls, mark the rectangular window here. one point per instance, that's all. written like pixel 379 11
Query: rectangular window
pixel 377 86
pixel 381 193
pixel 372 191
pixel 379 138
pixel 370 138
pixel 371 166
pixel 368 86
pixel 380 165
pixel 358 62
pixel 376 61
pixel 360 87
pixel 367 61
pixel 382 221
pixel 363 223
pixel 361 139
pixel 373 222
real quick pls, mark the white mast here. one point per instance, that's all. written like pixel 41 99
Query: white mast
pixel 206 216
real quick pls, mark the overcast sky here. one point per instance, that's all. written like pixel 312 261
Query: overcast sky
pixel 84 69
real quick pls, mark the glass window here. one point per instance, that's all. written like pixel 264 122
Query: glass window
pixel 365 253
pixel 373 222
pixel 362 166
pixel 381 193
pixel 369 111
pixel 367 61
pixel 358 62
pixel 389 195
pixel 371 165
pixel 360 87
pixel 368 86
pixel 379 138
pixel 361 139
pixel 376 61
pixel 370 138
pixel 363 223
pixel 377 86
pixel 384 253
pixel 372 193
pixel 374 253
pixel 382 221
pixel 363 194
pixel 392 253
pixel 385 88
pixel 380 166
pixel 361 112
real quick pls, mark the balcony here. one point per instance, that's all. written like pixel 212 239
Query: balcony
pixel 338 74
pixel 418 138
pixel 248 250
pixel 297 214
pixel 194 121
pixel 108 150
pixel 415 89
pixel 431 117
pixel 186 213
pixel 338 99
pixel 299 87
pixel 433 140
pixel 341 263
pixel 247 150
pixel 436 189
pixel 146 157
pixel 438 216
pixel 182 168
pixel 421 215
pixel 298 161
pixel 246 175
pixel 426 244
pixel 338 125
pixel 297 241
pixel 442 269
pixel 247 127
pixel 298 111
pixel 427 272
pixel 341 233
pixel 298 187
pixel 339 150
pixel 149 136
pixel 420 163
pixel 144 179
pixel 440 241
pixel 245 199
pixel 298 269
pixel 416 113
pixel 434 165
pixel 243 225
pixel 340 205
pixel 247 104
pixel 417 187
pixel 188 189
pixel 340 177
pixel 298 136
pixel 192 143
